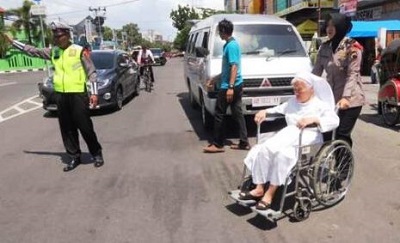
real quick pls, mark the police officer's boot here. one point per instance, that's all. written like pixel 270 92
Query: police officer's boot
pixel 72 164
pixel 98 160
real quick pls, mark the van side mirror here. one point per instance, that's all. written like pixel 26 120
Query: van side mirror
pixel 201 52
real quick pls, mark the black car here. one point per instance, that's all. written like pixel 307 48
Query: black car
pixel 117 75
pixel 159 56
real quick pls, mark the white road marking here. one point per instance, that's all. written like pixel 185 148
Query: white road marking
pixel 19 110
pixel 9 83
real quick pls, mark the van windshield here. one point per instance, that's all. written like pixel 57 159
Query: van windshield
pixel 264 40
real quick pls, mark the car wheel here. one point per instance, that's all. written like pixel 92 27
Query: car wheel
pixel 119 98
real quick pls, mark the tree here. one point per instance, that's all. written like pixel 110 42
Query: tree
pixel 180 19
pixel 182 15
pixel 108 33
pixel 182 38
pixel 133 37
pixel 24 22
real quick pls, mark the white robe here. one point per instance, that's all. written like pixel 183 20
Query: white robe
pixel 273 159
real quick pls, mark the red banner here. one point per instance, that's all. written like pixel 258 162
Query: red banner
pixel 348 7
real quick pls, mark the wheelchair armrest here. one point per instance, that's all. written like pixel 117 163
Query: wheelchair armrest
pixel 311 125
pixel 273 117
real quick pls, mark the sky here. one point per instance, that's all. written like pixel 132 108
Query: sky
pixel 147 14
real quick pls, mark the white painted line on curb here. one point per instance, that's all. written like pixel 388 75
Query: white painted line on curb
pixel 20 111
pixel 9 83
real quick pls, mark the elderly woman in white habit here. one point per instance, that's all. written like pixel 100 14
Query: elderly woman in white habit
pixel 272 160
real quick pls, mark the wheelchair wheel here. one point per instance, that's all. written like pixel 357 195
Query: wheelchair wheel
pixel 302 209
pixel 390 113
pixel 333 171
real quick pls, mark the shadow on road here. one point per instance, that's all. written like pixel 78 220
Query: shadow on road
pixel 231 130
pixel 377 119
pixel 64 158
pixel 99 112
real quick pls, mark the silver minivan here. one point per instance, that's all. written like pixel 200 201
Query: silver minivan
pixel 272 53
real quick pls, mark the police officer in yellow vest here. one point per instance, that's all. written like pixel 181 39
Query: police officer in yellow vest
pixel 73 67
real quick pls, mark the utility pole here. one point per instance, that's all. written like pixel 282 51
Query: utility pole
pixel 99 12
pixel 40 10
pixel 319 18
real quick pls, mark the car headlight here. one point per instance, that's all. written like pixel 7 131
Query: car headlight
pixel 103 83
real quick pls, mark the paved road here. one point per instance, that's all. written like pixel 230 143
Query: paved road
pixel 157 186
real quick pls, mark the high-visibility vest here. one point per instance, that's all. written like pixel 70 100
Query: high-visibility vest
pixel 69 75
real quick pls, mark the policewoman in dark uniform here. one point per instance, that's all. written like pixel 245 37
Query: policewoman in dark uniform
pixel 73 66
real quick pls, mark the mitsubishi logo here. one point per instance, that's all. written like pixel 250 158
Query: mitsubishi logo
pixel 265 83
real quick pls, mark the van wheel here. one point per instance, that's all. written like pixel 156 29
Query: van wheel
pixel 192 100
pixel 206 117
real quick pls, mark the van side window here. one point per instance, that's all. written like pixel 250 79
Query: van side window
pixel 193 43
pixel 189 43
pixel 205 40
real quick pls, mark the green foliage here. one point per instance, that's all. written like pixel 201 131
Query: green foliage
pixel 24 23
pixel 4 45
pixel 133 37
pixel 108 33
pixel 182 15
pixel 181 38
pixel 180 19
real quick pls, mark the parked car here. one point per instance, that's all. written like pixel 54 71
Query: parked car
pixel 118 78
pixel 159 56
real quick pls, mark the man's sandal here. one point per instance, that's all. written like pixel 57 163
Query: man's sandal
pixel 240 147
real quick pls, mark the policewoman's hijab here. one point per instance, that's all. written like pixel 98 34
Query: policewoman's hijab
pixel 342 25
pixel 322 89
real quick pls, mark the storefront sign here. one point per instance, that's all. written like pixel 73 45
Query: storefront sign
pixel 292 9
pixel 348 7
pixel 305 4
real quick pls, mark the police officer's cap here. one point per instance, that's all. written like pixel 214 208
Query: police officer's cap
pixel 59 28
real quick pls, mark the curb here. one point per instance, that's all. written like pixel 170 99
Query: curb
pixel 24 70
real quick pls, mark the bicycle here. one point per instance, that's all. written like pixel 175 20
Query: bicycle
pixel 146 77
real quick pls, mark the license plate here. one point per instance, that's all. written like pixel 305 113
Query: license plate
pixel 266 101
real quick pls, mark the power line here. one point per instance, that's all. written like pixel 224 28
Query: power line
pixel 78 11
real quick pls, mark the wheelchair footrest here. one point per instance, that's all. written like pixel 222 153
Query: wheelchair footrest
pixel 269 214
pixel 235 196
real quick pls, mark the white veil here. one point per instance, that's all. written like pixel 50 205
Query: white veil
pixel 322 89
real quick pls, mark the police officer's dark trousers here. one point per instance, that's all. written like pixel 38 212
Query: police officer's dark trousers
pixel 74 115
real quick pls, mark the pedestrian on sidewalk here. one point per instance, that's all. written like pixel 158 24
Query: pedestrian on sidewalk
pixel 73 67
pixel 341 58
pixel 230 90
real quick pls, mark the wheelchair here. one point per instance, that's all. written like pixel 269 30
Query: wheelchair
pixel 320 179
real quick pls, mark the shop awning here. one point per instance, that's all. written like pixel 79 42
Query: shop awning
pixel 308 27
pixel 371 28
